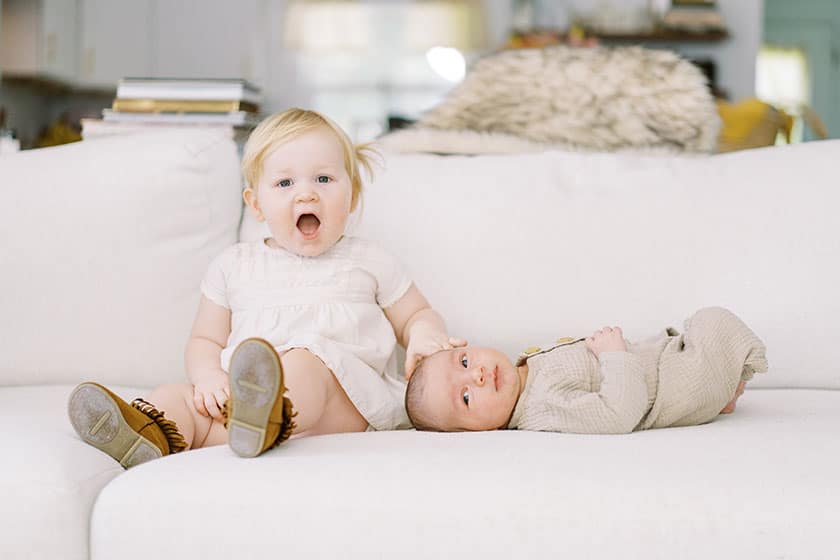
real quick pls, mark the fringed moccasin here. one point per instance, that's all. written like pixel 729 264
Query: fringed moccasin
pixel 130 433
pixel 258 415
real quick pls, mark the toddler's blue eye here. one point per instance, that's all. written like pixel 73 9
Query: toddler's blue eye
pixel 323 179
pixel 285 183
pixel 464 361
pixel 466 397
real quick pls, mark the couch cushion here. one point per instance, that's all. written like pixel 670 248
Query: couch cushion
pixel 104 244
pixel 761 483
pixel 518 250
pixel 49 478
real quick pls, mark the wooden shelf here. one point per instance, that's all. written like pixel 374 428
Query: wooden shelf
pixel 539 38
pixel 663 36
pixel 51 86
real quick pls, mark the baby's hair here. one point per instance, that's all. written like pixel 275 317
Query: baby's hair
pixel 283 127
pixel 417 413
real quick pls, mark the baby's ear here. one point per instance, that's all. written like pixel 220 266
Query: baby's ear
pixel 250 198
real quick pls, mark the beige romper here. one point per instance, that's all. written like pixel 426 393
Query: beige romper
pixel 669 380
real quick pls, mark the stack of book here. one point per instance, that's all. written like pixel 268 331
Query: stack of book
pixel 183 101
pixel 698 16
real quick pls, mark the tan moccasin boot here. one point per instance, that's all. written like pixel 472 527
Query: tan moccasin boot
pixel 130 433
pixel 258 414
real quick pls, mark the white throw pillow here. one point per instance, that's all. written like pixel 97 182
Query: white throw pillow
pixel 518 250
pixel 104 244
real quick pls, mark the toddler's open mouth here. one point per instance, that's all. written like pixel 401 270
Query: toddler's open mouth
pixel 308 225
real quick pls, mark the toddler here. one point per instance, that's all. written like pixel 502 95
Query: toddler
pixel 309 310
pixel 594 385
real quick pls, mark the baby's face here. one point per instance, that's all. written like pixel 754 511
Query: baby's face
pixel 304 193
pixel 470 389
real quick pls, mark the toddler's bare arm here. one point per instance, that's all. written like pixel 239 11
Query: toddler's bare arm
pixel 419 328
pixel 208 337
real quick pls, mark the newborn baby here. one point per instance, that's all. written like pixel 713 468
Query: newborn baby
pixel 595 385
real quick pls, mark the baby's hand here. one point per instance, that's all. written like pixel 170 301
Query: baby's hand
pixel 608 339
pixel 425 342
pixel 210 392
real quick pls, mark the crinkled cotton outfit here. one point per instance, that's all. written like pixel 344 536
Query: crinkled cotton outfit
pixel 670 380
pixel 331 305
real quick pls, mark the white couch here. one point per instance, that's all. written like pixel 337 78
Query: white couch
pixel 103 246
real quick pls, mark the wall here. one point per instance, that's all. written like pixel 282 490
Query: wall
pixel 735 57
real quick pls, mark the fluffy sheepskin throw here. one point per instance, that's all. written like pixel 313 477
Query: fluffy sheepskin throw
pixel 600 99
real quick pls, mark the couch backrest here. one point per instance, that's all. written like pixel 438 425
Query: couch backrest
pixel 518 250
pixel 104 244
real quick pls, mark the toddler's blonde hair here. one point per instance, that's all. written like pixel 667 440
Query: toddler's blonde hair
pixel 280 128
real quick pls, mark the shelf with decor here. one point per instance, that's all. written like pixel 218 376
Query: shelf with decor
pixel 663 36
pixel 582 37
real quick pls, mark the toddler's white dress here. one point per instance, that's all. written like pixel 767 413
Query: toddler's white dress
pixel 331 304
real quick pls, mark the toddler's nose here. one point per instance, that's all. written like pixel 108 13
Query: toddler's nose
pixel 307 196
pixel 479 375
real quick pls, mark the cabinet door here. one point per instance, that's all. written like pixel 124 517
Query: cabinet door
pixel 38 38
pixel 115 41
pixel 209 39
pixel 59 39
pixel 19 36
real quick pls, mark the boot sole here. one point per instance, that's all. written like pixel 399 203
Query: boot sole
pixel 255 378
pixel 97 419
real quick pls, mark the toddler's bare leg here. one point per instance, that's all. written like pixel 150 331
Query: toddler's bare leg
pixel 730 407
pixel 322 405
pixel 176 402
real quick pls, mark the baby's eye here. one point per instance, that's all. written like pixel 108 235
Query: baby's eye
pixel 324 179
pixel 464 361
pixel 284 183
pixel 465 396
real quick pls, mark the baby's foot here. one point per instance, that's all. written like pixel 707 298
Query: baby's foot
pixel 730 407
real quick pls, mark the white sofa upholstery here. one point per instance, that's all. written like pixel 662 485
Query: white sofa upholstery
pixel 104 244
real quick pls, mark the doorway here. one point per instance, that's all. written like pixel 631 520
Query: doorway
pixel 799 64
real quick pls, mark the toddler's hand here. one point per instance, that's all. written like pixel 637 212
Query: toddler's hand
pixel 425 342
pixel 608 339
pixel 210 392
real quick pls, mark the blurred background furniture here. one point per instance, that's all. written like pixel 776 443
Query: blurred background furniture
pixel 383 62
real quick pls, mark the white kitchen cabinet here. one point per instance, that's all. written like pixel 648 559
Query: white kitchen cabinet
pixel 39 38
pixel 210 39
pixel 115 41
pixel 94 43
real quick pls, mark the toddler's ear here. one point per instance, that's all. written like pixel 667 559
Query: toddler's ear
pixel 250 198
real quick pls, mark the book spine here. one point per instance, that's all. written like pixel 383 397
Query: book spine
pixel 187 94
pixel 181 106
pixel 236 118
